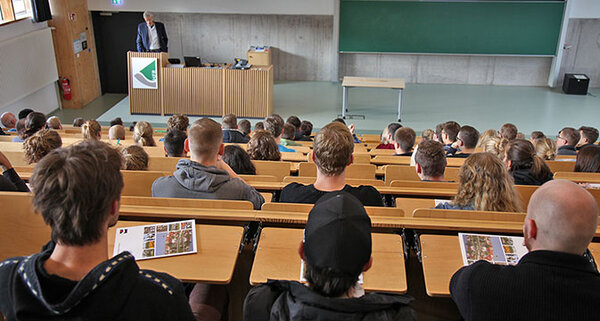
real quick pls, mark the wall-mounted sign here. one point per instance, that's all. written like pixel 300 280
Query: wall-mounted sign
pixel 144 73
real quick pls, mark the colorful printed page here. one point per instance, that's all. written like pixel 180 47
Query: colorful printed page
pixel 157 240
pixel 497 249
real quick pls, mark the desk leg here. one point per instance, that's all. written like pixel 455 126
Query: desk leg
pixel 344 101
pixel 400 104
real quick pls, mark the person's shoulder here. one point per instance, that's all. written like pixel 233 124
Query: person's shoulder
pixel 366 194
pixel 296 187
pixel 160 283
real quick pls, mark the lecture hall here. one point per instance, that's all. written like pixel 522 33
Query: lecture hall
pixel 229 160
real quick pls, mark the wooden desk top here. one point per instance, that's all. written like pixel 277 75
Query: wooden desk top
pixel 277 258
pixel 218 248
pixel 395 83
pixel 442 258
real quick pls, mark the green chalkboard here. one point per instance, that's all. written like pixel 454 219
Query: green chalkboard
pixel 473 27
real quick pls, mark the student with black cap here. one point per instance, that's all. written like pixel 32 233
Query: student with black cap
pixel 336 249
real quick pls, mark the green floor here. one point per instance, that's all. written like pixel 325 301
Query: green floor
pixel 424 106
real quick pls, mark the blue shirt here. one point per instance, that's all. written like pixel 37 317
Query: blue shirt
pixel 285 149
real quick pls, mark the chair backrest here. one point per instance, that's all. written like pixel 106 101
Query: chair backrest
pixel 349 181
pixel 16 158
pixel 561 166
pixel 305 208
pixel 578 177
pixel 383 152
pixel 469 215
pixel 390 160
pixel 22 232
pixel 421 184
pixel 408 173
pixel 455 161
pixel 139 183
pixel 409 205
pixel 259 178
pixel 357 157
pixel 11 147
pixel 155 151
pixel 370 138
pixel 293 157
pixel 357 171
pixel 571 158
pixel 185 202
pixel 525 192
pixel 273 168
pixel 162 164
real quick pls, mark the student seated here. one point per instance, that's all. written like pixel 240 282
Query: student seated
pixel 262 146
pixel 245 128
pixel 136 158
pixel 524 165
pixel 174 143
pixel 10 180
pixel 20 128
pixel 466 142
pixel 437 135
pixel 545 148
pixel 288 135
pixel 567 140
pixel 554 281
pixel 427 134
pixel 332 153
pixel 116 132
pixel 9 121
pixel 306 128
pixel 274 125
pixel 205 175
pixel 588 159
pixel 53 123
pixel 116 121
pixel 178 121
pixel 78 122
pixel 484 185
pixel 34 122
pixel 430 161
pixel 40 145
pixel 336 249
pixel 259 126
pixel 450 130
pixel 143 134
pixel 404 140
pixel 91 130
pixel 25 112
pixel 73 278
pixel 350 127
pixel 387 136
pixel 295 121
pixel 230 132
pixel 589 136
pixel 495 146
pixel 486 136
pixel 508 131
pixel 239 161
pixel 535 135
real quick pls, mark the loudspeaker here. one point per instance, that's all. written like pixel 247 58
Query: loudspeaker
pixel 41 10
pixel 576 84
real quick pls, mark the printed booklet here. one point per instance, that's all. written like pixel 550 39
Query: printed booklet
pixel 157 240
pixel 497 249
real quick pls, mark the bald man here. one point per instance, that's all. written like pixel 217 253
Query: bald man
pixel 8 120
pixel 554 281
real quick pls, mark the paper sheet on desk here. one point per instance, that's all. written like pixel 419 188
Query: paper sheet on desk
pixel 497 249
pixel 157 240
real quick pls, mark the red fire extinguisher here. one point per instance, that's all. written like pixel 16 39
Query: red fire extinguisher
pixel 66 88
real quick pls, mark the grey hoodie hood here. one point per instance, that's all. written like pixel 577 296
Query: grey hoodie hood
pixel 197 177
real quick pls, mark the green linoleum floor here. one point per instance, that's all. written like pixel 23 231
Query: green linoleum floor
pixel 425 105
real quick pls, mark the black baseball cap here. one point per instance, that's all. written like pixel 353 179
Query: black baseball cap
pixel 338 234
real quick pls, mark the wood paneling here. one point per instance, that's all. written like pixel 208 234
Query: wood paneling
pixel 192 91
pixel 248 93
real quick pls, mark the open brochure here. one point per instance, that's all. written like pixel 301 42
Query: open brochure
pixel 497 249
pixel 157 240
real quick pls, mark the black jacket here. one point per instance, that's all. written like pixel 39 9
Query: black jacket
pixel 290 300
pixel 114 290
pixel 11 182
pixel 567 150
pixel 544 285
pixel 523 177
pixel 308 194
pixel 143 40
pixel 234 136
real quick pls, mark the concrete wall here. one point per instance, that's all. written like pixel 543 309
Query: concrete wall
pixel 584 9
pixel 43 100
pixel 291 7
pixel 303 44
pixel 582 50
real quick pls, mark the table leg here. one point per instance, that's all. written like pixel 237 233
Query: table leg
pixel 344 101
pixel 400 104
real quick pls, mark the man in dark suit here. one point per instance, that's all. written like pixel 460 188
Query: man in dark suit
pixel 554 281
pixel 151 36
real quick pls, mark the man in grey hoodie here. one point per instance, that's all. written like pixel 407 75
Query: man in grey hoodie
pixel 205 175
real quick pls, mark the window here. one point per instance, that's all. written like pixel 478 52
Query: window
pixel 11 10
